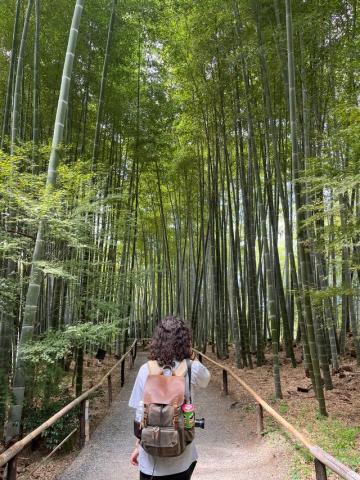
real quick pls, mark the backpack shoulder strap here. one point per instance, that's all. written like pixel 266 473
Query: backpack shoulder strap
pixel 181 370
pixel 188 367
pixel 154 368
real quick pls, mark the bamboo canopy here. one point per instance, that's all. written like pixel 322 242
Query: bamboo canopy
pixel 198 159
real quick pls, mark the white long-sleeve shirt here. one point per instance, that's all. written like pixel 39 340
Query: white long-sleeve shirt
pixel 160 466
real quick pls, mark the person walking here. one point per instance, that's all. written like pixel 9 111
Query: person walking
pixel 170 348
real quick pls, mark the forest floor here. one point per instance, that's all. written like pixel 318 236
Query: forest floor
pixel 339 434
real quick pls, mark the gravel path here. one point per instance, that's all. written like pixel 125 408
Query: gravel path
pixel 229 448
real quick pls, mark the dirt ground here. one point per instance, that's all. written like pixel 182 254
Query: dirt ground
pixel 301 408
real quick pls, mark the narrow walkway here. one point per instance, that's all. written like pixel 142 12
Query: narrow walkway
pixel 229 448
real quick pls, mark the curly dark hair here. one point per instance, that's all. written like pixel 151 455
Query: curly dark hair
pixel 171 341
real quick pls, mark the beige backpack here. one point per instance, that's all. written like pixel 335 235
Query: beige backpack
pixel 163 433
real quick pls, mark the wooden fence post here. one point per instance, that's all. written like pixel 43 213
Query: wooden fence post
pixel 87 421
pixel 109 390
pixel 82 423
pixel 260 418
pixel 122 375
pixel 320 470
pixel 200 358
pixel 12 469
pixel 225 382
pixel 132 358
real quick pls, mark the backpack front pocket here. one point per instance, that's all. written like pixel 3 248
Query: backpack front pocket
pixel 160 415
pixel 161 441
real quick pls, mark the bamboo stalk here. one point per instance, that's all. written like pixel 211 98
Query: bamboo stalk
pixel 7 107
pixel 19 79
pixel 33 291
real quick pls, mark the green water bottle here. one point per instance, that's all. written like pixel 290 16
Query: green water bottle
pixel 189 415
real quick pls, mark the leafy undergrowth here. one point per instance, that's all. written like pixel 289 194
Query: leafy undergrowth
pixel 333 436
pixel 50 470
pixel 329 433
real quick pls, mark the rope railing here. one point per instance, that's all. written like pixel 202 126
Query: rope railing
pixel 322 459
pixel 9 457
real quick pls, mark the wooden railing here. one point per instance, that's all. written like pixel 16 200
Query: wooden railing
pixel 322 459
pixel 10 456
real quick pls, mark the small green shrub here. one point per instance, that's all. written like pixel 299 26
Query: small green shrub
pixel 249 407
pixel 270 426
pixel 61 429
pixel 283 407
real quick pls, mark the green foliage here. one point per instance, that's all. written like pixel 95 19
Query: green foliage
pixel 127 237
pixel 270 426
pixel 4 395
pixel 56 345
pixel 302 464
pixel 283 407
pixel 55 269
pixel 37 415
pixel 249 407
pixel 49 386
pixel 331 434
pixel 8 294
pixel 45 397
pixel 339 439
